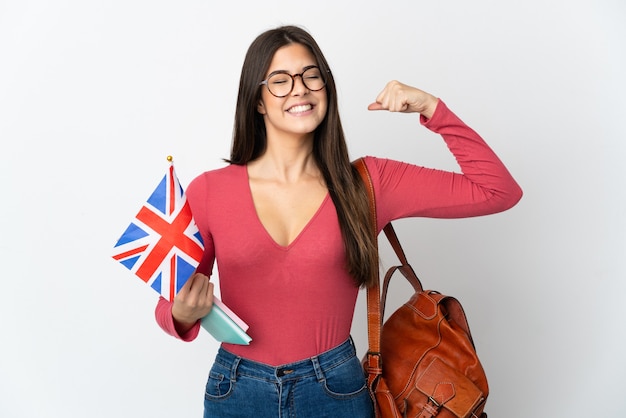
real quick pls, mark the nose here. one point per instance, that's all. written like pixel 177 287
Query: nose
pixel 299 88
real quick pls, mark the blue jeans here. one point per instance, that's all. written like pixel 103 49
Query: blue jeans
pixel 331 384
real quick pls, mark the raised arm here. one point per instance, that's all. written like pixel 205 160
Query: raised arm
pixel 403 189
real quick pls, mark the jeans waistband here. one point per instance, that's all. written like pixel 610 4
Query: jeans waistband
pixel 308 367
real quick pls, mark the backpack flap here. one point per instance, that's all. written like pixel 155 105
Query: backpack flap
pixel 447 388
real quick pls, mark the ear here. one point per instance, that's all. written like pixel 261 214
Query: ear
pixel 260 107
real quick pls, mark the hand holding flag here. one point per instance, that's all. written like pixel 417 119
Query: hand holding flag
pixel 162 245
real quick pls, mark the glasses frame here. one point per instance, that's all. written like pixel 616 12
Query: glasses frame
pixel 293 80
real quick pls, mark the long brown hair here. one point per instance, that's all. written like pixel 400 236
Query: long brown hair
pixel 329 149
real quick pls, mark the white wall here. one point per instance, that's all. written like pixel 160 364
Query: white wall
pixel 95 94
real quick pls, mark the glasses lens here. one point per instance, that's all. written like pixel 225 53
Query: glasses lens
pixel 313 79
pixel 280 84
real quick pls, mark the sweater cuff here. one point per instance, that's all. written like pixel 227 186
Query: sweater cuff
pixel 438 116
pixel 164 318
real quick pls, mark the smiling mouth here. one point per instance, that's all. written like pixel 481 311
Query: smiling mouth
pixel 300 109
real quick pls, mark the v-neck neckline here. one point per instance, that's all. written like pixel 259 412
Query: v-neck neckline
pixel 262 226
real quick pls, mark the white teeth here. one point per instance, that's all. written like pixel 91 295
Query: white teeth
pixel 299 109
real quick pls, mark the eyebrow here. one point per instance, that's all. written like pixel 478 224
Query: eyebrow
pixel 306 67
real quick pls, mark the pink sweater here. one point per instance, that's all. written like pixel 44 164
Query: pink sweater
pixel 299 300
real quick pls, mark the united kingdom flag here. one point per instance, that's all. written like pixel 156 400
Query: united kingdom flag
pixel 162 245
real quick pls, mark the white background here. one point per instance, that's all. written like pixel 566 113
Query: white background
pixel 95 94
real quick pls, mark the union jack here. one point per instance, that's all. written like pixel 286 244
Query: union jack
pixel 162 245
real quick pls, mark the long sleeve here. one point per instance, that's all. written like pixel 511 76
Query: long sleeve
pixel 163 315
pixel 484 187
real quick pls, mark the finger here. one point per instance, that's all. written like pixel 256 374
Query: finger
pixel 209 289
pixel 376 106
pixel 199 285
pixel 192 288
pixel 208 295
pixel 184 290
pixel 399 106
pixel 198 279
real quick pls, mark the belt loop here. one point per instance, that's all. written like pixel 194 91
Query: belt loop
pixel 233 369
pixel 319 373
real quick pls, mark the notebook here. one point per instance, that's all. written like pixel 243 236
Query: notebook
pixel 224 325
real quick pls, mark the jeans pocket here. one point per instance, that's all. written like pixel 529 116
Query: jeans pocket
pixel 345 380
pixel 219 385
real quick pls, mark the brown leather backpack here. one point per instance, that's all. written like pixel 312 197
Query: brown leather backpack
pixel 421 362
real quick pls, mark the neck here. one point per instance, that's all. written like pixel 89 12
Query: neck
pixel 286 159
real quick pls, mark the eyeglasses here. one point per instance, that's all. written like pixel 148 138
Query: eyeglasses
pixel 280 83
